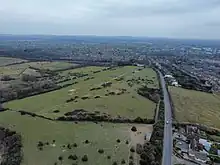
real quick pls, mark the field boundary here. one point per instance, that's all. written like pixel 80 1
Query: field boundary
pixel 113 120
pixel 201 126
pixel 171 103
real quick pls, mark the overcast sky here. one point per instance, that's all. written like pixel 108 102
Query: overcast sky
pixel 152 18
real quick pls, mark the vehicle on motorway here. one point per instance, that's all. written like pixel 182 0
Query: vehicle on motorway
pixel 167 122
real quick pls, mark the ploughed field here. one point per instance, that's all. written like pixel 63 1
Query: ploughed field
pixel 196 107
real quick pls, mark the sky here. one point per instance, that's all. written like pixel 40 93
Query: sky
pixel 147 18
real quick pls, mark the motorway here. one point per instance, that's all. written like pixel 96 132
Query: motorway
pixel 167 140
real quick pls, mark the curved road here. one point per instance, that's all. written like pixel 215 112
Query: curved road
pixel 167 140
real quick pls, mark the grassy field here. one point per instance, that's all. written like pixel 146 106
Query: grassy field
pixel 196 107
pixel 129 104
pixel 100 136
pixel 7 60
pixel 18 68
pixel 51 65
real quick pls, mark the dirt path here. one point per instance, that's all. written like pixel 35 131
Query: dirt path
pixel 139 137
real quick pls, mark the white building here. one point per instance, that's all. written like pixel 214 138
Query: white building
pixel 168 76
pixel 175 83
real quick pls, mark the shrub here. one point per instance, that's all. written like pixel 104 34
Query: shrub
pixel 74 145
pixel 108 157
pixel 33 115
pixel 131 163
pixel 69 146
pixel 40 144
pixel 134 129
pixel 87 141
pixel 56 111
pixel 69 100
pixel 114 163
pixel 138 120
pixel 142 162
pixel 131 157
pixel 101 151
pixel 132 149
pixel 123 161
pixel 22 113
pixel 118 140
pixel 73 157
pixel 70 157
pixel 60 158
pixel 139 149
pixel 85 158
pixel 54 141
pixel 127 142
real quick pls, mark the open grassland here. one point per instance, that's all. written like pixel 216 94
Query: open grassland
pixel 128 104
pixel 51 65
pixel 100 136
pixel 7 60
pixel 196 107
pixel 19 68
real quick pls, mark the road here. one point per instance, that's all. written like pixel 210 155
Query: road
pixel 167 141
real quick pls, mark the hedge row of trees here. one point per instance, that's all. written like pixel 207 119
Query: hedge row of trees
pixel 151 152
pixel 150 93
pixel 83 115
pixel 11 144
pixel 26 90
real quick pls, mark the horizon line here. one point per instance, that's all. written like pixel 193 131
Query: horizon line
pixel 108 36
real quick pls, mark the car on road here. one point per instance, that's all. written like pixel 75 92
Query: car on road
pixel 167 122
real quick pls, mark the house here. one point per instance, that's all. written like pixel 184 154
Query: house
pixel 205 143
pixel 140 65
pixel 168 76
pixel 175 83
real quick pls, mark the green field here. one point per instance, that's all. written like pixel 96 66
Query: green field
pixel 100 136
pixel 7 60
pixel 19 68
pixel 51 65
pixel 196 107
pixel 129 104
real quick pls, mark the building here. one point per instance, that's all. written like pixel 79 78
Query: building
pixel 168 76
pixel 175 83
pixel 140 65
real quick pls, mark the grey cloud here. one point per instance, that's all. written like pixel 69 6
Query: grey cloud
pixel 159 18
pixel 166 7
